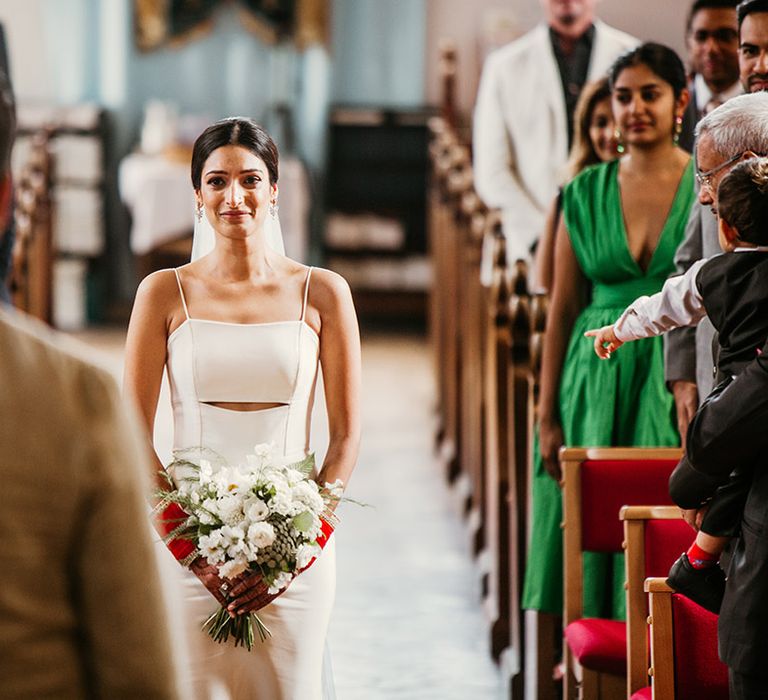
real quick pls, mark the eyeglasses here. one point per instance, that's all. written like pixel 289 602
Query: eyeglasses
pixel 724 35
pixel 705 179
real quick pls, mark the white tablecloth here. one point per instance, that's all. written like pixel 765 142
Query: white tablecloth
pixel 158 192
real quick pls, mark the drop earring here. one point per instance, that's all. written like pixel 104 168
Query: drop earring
pixel 273 208
pixel 678 129
pixel 619 141
pixel 199 212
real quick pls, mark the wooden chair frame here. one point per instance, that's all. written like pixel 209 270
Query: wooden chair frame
pixel 662 669
pixel 638 653
pixel 594 686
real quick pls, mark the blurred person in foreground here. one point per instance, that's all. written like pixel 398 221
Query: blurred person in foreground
pixel 81 614
pixel 523 119
pixel 8 131
pixel 594 141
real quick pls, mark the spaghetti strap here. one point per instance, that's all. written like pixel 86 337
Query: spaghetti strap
pixel 306 294
pixel 181 292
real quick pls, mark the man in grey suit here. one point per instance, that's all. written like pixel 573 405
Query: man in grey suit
pixel 689 359
pixel 81 615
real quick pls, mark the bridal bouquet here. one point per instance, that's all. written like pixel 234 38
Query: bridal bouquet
pixel 259 516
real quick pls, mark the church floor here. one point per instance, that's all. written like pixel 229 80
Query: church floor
pixel 407 624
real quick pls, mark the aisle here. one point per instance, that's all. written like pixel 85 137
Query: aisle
pixel 407 623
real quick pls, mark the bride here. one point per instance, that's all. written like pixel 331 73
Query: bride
pixel 241 332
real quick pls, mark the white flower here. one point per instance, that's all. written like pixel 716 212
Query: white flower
pixel 211 547
pixel 281 581
pixel 233 568
pixel 261 535
pixel 234 481
pixel 294 476
pixel 255 509
pixel 208 512
pixel 264 449
pixel 307 494
pixel 281 503
pixel 336 489
pixel 305 553
pixel 230 509
pixel 233 540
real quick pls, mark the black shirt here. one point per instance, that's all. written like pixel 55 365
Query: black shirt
pixel 573 70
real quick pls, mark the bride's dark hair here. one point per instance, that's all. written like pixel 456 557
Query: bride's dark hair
pixel 234 131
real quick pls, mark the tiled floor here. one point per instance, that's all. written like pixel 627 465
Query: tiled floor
pixel 407 623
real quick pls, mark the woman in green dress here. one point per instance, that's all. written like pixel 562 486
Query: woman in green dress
pixel 622 222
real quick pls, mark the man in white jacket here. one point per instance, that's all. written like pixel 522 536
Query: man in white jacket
pixel 524 113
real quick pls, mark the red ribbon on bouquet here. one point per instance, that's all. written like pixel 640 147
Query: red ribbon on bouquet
pixel 326 530
pixel 169 520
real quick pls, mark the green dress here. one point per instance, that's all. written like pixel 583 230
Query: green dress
pixel 621 402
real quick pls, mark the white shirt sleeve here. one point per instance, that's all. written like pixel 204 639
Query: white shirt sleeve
pixel 677 304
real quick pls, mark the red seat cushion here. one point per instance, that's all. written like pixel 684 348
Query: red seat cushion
pixel 599 645
pixel 642 694
pixel 699 673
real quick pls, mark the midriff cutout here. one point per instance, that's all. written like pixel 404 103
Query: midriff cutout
pixel 243 406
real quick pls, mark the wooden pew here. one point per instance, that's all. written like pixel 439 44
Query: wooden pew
pixel 543 630
pixel 654 536
pixel 499 599
pixel 448 183
pixel 684 659
pixel 471 315
pixel 32 267
pixel 597 483
pixel 442 141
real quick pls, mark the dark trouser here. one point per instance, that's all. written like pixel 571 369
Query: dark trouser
pixel 747 687
pixel 692 489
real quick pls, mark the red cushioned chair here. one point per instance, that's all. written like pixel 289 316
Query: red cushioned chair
pixel 597 482
pixel 654 537
pixel 684 660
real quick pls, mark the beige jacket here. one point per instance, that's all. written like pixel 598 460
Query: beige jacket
pixel 520 134
pixel 81 614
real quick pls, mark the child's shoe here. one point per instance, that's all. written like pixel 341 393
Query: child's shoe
pixel 703 586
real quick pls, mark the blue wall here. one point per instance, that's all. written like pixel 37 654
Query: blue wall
pixel 379 49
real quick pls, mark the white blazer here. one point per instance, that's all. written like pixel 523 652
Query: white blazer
pixel 520 136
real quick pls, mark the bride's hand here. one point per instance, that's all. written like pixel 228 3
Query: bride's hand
pixel 249 595
pixel 209 577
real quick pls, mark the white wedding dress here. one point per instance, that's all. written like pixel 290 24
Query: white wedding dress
pixel 216 362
